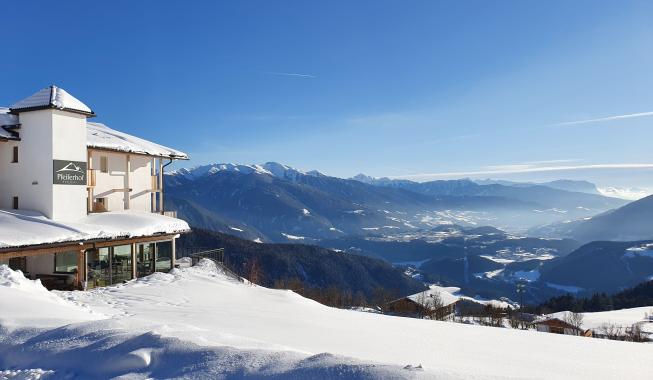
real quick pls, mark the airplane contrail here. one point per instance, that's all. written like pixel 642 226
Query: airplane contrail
pixel 607 118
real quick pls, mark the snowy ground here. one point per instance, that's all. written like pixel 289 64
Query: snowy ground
pixel 624 318
pixel 198 323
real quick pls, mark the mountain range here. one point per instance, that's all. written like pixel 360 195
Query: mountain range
pixel 276 203
pixel 634 221
pixel 441 231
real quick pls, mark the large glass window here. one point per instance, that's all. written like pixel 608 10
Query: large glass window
pixel 163 256
pixel 65 262
pixel 98 272
pixel 145 259
pixel 121 264
pixel 113 265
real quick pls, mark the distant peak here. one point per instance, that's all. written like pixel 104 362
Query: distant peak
pixel 274 169
pixel 363 178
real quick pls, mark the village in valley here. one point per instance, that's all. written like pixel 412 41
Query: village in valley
pixel 446 304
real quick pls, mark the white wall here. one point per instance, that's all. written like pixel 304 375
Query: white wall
pixel 141 183
pixel 7 171
pixel 68 143
pixel 31 178
pixel 108 183
pixel 48 135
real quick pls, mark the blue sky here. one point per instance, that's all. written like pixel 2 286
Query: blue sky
pixel 432 89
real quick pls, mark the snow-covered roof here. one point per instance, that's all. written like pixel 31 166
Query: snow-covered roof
pixel 52 97
pixel 5 134
pixel 7 120
pixel 451 294
pixel 446 295
pixel 102 137
pixel 20 228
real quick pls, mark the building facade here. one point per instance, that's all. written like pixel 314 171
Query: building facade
pixel 81 204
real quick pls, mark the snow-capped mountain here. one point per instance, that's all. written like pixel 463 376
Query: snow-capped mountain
pixel 630 193
pixel 275 202
pixel 270 168
pixel 560 195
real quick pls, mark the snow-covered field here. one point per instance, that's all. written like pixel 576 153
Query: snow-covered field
pixel 199 323
pixel 624 318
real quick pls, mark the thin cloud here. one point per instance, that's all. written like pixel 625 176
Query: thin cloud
pixel 607 118
pixel 528 165
pixel 522 168
pixel 297 75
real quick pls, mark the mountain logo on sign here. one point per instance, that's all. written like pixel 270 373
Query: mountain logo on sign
pixel 71 167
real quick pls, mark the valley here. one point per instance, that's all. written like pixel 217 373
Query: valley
pixel 485 237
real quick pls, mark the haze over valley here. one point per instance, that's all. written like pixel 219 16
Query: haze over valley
pixel 484 236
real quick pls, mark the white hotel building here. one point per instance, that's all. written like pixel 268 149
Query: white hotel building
pixel 81 204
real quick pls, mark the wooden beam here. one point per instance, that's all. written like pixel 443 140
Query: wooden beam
pixel 174 252
pixel 8 253
pixel 153 195
pixel 146 239
pixel 81 269
pixel 134 274
pixel 89 160
pixel 28 252
pixel 161 186
pixel 128 168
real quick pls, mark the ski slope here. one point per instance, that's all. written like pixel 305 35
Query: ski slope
pixel 197 322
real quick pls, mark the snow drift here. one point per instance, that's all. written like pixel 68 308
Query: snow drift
pixel 198 322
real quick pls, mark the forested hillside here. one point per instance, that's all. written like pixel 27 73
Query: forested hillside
pixel 313 266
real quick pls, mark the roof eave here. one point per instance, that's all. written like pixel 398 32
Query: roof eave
pixel 16 111
pixel 185 158
pixel 6 249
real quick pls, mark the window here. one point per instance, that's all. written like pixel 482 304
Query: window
pixel 15 203
pixel 145 259
pixel 65 262
pixel 121 263
pixel 108 265
pixel 163 256
pixel 101 205
pixel 14 157
pixel 104 164
pixel 98 272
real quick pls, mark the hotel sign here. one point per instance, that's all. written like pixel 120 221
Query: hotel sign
pixel 68 172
